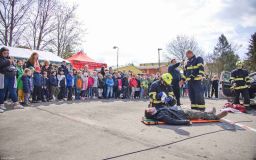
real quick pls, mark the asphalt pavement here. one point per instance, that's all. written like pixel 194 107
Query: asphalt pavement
pixel 108 129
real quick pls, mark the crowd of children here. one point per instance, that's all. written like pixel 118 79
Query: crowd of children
pixel 63 83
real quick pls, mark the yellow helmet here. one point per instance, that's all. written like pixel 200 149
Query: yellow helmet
pixel 239 64
pixel 167 78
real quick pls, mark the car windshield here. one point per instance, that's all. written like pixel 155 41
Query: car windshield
pixel 226 76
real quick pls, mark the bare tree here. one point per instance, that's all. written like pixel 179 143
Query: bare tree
pixel 68 32
pixel 13 20
pixel 177 48
pixel 41 24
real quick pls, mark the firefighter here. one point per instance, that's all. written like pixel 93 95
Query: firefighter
pixel 161 93
pixel 240 81
pixel 194 72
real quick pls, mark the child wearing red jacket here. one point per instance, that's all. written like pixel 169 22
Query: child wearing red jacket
pixel 90 85
pixel 133 85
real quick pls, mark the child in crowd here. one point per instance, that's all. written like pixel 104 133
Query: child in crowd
pixel 70 83
pixel 115 87
pixel 90 85
pixel 109 84
pixel 119 85
pixel 61 84
pixel 19 81
pixel 74 79
pixel 85 85
pixel 138 88
pixel 125 86
pixel 26 86
pixel 79 85
pixel 37 82
pixel 101 85
pixel 53 83
pixel 31 81
pixel 144 87
pixel 45 87
pixel 19 68
pixel 95 85
pixel 133 84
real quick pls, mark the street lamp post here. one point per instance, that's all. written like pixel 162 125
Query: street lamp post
pixel 159 49
pixel 117 50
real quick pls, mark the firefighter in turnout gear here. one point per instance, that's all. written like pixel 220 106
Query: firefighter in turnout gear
pixel 240 81
pixel 161 93
pixel 194 72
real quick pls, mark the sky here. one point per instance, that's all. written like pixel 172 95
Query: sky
pixel 140 27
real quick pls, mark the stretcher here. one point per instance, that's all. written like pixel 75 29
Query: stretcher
pixel 154 122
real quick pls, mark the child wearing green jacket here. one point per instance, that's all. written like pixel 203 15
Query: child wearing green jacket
pixel 19 81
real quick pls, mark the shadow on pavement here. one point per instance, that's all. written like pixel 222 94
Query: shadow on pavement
pixel 224 125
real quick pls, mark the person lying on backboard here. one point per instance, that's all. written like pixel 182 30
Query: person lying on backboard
pixel 177 116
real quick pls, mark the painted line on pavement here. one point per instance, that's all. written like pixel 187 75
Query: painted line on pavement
pixel 239 124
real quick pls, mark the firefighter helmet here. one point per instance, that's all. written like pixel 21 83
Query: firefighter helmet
pixel 239 64
pixel 167 78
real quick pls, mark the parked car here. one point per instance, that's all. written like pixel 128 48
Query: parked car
pixel 225 85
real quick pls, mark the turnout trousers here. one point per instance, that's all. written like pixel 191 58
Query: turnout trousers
pixel 196 95
pixel 245 94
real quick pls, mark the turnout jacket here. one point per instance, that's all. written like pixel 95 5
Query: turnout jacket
pixel 241 78
pixel 171 116
pixel 156 88
pixel 194 68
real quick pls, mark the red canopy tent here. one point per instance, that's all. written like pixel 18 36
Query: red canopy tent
pixel 80 59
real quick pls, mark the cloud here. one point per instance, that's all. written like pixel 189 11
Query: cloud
pixel 139 27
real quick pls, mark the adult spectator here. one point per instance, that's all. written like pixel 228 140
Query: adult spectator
pixel 47 67
pixel 33 61
pixel 125 86
pixel 206 82
pixel 63 68
pixel 215 84
pixel 86 69
pixel 102 71
pixel 7 79
pixel 111 71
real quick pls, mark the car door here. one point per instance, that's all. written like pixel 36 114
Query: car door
pixel 252 89
pixel 225 85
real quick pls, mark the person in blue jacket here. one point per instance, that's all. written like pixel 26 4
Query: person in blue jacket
pixel 45 87
pixel 109 84
pixel 26 85
pixel 53 83
pixel 69 83
pixel 37 81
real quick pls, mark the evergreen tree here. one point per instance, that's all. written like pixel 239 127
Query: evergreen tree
pixel 224 57
pixel 251 54
pixel 68 52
